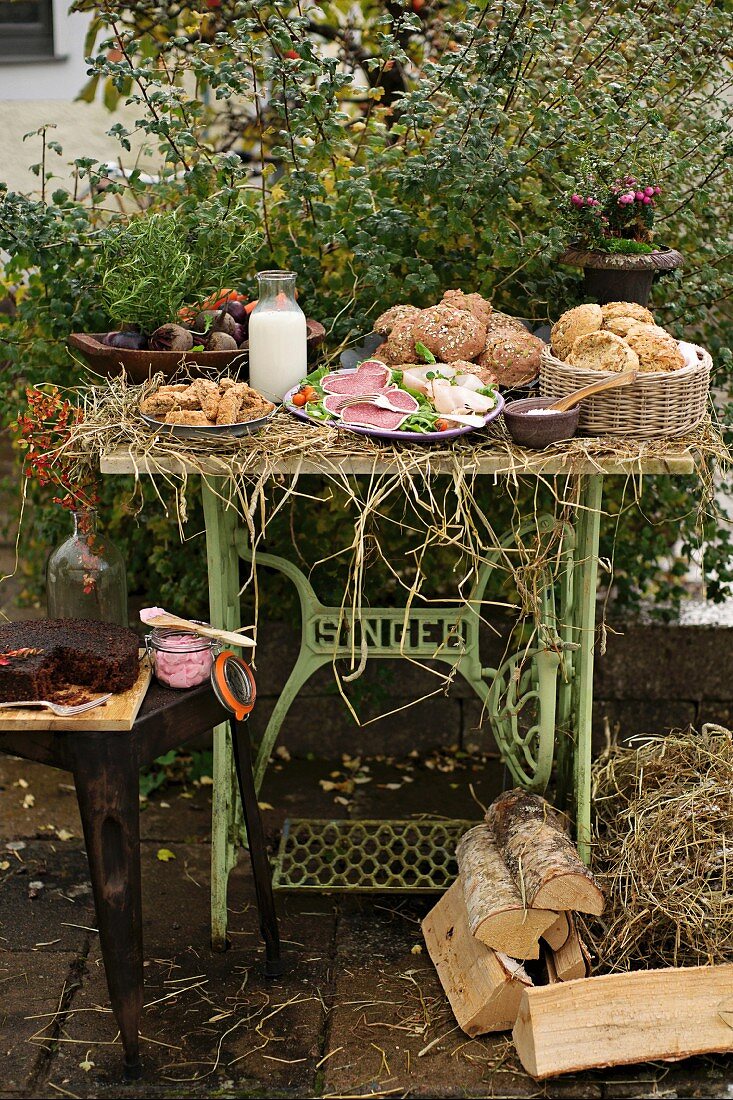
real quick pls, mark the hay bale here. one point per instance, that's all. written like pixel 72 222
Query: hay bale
pixel 664 852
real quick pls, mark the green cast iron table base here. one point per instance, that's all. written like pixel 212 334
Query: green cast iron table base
pixel 538 702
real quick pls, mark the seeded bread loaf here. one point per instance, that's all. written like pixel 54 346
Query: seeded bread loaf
pixel 574 323
pixel 602 351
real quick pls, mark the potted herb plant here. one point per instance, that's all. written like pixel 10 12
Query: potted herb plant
pixel 158 276
pixel 611 225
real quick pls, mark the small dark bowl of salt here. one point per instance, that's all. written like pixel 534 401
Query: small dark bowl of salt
pixel 531 424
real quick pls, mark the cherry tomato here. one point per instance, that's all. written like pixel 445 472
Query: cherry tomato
pixel 310 393
pixel 441 425
pixel 298 399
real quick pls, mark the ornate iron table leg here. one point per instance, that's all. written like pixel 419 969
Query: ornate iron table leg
pixel 223 568
pixel 588 527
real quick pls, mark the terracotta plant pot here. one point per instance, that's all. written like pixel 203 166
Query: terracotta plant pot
pixel 141 365
pixel 610 277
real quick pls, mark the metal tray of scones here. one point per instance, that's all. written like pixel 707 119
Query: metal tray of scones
pixel 216 431
pixel 199 392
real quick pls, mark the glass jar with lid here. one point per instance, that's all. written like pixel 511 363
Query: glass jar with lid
pixel 179 658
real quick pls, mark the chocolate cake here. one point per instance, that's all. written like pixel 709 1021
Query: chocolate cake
pixel 38 659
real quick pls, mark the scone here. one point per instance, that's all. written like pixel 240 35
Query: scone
pixel 393 316
pixel 509 358
pixel 230 404
pixel 208 396
pixel 472 303
pixel 158 404
pixel 627 309
pixel 602 351
pixel 192 418
pixel 400 345
pixel 450 334
pixel 574 323
pixel 655 351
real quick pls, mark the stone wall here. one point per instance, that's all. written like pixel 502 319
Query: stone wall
pixel 652 678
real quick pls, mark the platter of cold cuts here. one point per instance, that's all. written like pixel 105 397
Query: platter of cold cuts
pixel 420 403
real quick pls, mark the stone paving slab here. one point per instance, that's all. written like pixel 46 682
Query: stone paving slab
pixel 353 987
pixel 46 898
pixel 31 984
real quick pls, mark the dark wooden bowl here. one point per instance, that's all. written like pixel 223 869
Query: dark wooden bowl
pixel 141 365
pixel 537 432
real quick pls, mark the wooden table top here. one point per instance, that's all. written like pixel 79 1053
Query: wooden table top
pixel 677 462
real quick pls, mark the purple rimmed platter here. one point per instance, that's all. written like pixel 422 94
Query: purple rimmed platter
pixel 396 436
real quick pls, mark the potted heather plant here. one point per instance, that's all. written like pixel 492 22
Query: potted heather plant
pixel 611 227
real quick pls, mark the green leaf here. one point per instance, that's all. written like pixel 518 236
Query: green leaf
pixel 426 355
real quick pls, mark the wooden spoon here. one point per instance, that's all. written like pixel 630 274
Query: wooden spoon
pixel 566 403
pixel 228 636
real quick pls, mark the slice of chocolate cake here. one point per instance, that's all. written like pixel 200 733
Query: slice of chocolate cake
pixel 41 657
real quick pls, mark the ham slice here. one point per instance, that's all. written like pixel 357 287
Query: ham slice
pixel 369 377
pixel 416 378
pixel 448 399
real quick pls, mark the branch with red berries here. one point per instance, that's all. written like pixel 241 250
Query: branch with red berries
pixel 44 431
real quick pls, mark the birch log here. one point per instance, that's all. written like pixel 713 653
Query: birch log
pixel 484 988
pixel 496 913
pixel 534 844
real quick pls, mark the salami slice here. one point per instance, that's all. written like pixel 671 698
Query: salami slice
pixel 334 402
pixel 402 400
pixel 369 416
pixel 370 377
pixel 405 402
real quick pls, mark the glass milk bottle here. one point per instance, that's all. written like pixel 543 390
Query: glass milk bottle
pixel 277 337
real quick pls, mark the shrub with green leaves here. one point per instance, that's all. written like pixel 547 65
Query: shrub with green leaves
pixel 389 151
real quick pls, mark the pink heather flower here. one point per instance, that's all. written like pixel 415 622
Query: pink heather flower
pixel 576 200
pixel 657 190
pixel 647 200
pixel 639 196
pixel 649 191
pixel 626 198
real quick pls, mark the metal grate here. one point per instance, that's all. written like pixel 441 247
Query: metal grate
pixel 367 856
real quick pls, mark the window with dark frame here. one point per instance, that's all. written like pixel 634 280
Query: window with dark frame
pixel 26 29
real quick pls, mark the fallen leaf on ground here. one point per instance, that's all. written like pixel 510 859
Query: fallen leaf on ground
pixel 29 801
pixel 21 783
pixel 165 855
pixel 265 806
pixel 64 834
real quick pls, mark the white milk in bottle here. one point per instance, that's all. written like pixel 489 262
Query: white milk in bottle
pixel 277 337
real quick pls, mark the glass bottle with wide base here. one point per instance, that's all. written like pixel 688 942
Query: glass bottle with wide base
pixel 85 575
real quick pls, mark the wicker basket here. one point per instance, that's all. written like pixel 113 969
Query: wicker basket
pixel 659 405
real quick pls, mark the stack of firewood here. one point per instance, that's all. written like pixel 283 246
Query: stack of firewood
pixel 520 881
